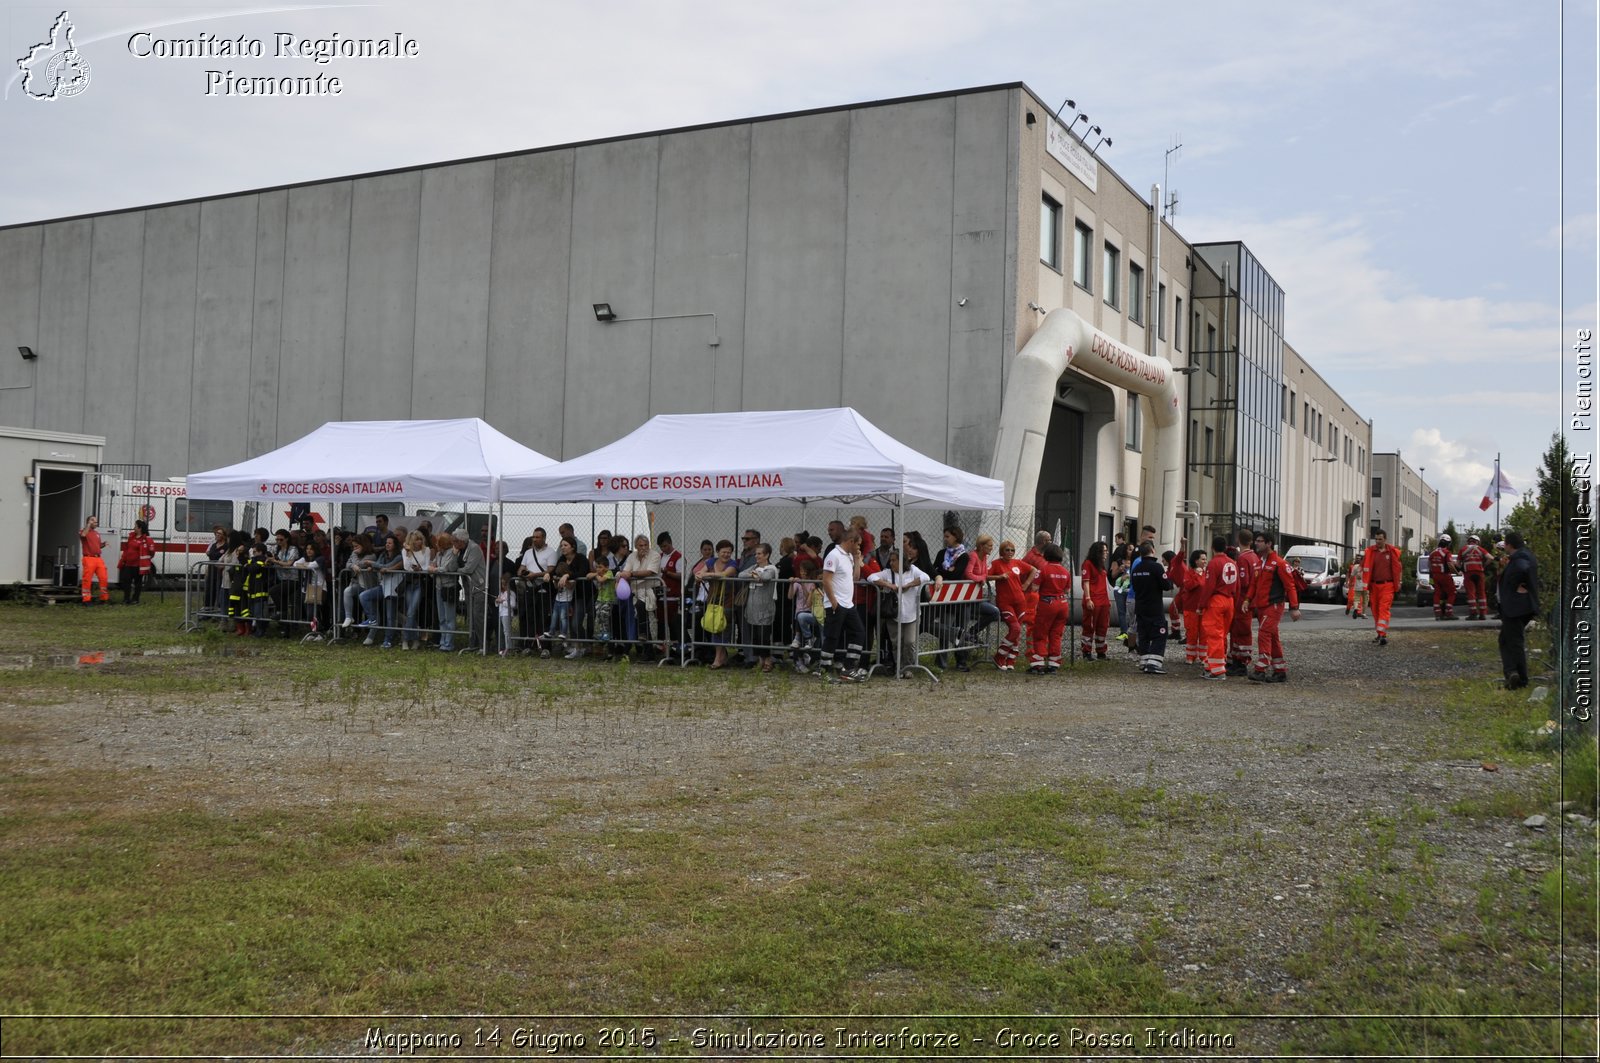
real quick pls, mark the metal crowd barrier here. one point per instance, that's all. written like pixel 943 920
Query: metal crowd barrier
pixel 957 625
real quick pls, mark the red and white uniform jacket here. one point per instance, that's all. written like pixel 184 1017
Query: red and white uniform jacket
pixel 1249 567
pixel 1008 579
pixel 1188 583
pixel 1371 558
pixel 1441 561
pixel 1473 558
pixel 1222 580
pixel 1055 582
pixel 1274 583
pixel 1095 589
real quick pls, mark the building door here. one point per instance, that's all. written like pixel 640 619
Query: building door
pixel 60 507
pixel 1061 478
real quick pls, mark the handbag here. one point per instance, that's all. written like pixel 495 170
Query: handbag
pixel 716 619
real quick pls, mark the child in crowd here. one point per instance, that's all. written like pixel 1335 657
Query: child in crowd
pixel 506 605
pixel 605 582
pixel 761 604
pixel 908 585
pixel 255 589
pixel 314 566
pixel 807 597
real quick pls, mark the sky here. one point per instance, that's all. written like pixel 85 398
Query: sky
pixel 1419 177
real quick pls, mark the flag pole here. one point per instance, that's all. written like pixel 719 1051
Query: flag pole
pixel 1498 533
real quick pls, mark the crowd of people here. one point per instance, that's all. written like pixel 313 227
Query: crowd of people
pixel 838 605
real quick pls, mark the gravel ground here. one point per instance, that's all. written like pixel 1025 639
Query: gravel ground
pixel 1293 775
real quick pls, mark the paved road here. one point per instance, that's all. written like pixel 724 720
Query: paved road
pixel 1401 617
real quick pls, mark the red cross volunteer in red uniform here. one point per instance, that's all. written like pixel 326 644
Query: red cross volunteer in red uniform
pixel 93 565
pixel 1442 568
pixel 1218 596
pixel 1274 587
pixel 1380 571
pixel 1474 561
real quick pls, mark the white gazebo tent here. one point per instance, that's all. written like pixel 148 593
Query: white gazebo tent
pixel 461 460
pixel 759 458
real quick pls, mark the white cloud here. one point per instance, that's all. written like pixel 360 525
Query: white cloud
pixel 1344 307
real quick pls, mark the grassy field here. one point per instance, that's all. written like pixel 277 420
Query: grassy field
pixel 797 886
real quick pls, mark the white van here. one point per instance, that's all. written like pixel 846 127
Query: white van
pixel 1323 570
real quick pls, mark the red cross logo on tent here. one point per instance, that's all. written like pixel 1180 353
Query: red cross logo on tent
pixel 598 483
pixel 263 488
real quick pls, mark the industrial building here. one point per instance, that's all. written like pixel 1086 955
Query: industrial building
pixel 896 256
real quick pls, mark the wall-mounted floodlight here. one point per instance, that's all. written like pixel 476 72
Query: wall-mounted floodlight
pixel 1186 370
pixel 603 312
pixel 31 359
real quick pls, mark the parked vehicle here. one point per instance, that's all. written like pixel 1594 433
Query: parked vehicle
pixel 1425 582
pixel 1323 569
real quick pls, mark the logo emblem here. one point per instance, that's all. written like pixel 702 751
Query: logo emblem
pixel 598 483
pixel 54 69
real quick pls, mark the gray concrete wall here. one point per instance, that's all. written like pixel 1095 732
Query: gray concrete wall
pixel 832 247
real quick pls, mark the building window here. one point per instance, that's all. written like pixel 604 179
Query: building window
pixel 1113 271
pixel 1177 324
pixel 1377 487
pixel 1050 233
pixel 1292 402
pixel 1161 311
pixel 1211 349
pixel 1135 293
pixel 1082 262
pixel 1135 424
pixel 1211 436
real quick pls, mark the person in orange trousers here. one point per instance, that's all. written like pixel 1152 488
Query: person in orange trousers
pixel 1380 571
pixel 1275 587
pixel 1188 576
pixel 1218 596
pixel 1241 636
pixel 1035 559
pixel 93 566
pixel 1055 604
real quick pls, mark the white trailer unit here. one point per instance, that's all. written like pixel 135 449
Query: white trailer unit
pixel 47 490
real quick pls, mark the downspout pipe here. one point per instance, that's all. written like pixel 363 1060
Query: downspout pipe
pixel 1064 339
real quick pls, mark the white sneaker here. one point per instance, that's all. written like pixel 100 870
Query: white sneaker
pixel 573 655
pixel 347 621
pixel 369 641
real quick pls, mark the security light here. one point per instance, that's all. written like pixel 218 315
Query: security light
pixel 603 312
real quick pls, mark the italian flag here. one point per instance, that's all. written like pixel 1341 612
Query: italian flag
pixel 1497 486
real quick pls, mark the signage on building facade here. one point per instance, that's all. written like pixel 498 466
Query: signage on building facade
pixel 1070 152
